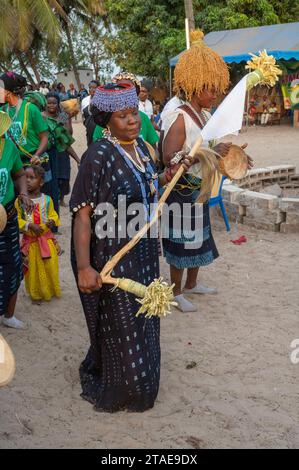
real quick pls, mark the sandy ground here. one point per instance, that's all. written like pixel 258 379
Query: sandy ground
pixel 227 380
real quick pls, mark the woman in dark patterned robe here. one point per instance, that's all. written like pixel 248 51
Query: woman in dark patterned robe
pixel 122 367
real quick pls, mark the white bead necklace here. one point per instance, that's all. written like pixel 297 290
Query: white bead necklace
pixel 138 165
pixel 202 118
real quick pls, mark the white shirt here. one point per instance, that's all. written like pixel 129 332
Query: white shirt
pixel 44 91
pixel 170 106
pixel 146 107
pixel 192 134
pixel 85 102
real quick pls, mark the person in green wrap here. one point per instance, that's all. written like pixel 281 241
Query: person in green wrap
pixel 60 137
pixel 28 129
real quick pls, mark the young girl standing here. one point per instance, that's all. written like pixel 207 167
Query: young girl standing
pixel 38 246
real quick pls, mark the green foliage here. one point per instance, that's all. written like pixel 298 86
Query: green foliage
pixel 147 34
pixel 232 14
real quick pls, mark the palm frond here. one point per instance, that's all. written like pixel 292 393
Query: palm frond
pixel 44 19
pixel 23 25
pixel 58 8
pixel 7 28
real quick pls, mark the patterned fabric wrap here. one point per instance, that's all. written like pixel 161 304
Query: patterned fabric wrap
pixel 11 271
pixel 115 97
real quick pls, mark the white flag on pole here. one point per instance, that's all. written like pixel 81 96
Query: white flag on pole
pixel 228 117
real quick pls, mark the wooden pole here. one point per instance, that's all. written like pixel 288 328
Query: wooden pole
pixel 189 14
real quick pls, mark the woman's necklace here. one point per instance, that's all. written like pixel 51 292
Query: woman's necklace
pixel 201 116
pixel 148 171
pixel 139 164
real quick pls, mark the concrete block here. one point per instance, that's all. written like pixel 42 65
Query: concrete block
pixel 289 228
pixel 266 216
pixel 273 189
pixel 292 218
pixel 294 178
pixel 289 204
pixel 252 222
pixel 231 192
pixel 258 200
pixel 242 210
pixel 279 168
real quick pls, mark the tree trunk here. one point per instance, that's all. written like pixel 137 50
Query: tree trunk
pixel 24 67
pixel 33 66
pixel 189 14
pixel 72 54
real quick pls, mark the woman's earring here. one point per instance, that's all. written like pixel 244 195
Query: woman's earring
pixel 107 132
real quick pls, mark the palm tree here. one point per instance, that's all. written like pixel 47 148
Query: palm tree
pixel 20 23
pixel 84 11
pixel 23 20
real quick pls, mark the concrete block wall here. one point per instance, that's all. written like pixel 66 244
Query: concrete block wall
pixel 245 204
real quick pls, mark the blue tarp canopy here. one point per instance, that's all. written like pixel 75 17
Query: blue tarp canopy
pixel 279 40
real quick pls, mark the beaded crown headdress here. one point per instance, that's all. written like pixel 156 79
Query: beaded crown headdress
pixel 115 97
pixel 126 76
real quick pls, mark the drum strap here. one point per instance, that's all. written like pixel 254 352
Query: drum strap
pixel 193 116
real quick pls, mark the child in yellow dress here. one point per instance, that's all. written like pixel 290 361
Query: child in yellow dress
pixel 39 247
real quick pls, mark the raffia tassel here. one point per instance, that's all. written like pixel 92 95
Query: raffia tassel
pixel 267 66
pixel 155 299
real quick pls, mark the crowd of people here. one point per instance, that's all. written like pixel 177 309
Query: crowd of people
pixel 123 159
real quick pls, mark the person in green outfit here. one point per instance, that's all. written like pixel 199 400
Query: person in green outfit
pixel 147 131
pixel 28 129
pixel 12 176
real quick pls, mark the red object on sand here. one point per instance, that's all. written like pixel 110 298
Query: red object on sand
pixel 240 240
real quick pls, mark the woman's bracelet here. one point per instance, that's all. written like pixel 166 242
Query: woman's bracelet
pixel 177 157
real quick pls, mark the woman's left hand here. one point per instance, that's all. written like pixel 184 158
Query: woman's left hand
pixel 28 203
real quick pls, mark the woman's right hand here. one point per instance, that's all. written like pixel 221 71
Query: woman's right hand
pixel 89 280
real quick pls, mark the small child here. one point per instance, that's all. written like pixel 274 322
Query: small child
pixel 39 247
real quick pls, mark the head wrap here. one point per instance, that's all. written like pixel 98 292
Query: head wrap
pixel 13 82
pixel 111 98
pixel 128 76
pixel 200 68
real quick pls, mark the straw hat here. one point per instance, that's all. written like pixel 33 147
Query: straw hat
pixel 5 123
pixel 71 107
pixel 7 363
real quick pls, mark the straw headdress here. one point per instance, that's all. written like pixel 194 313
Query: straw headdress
pixel 200 68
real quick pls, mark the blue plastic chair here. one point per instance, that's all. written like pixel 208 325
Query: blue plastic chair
pixel 218 200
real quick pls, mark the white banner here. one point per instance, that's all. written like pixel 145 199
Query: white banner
pixel 228 117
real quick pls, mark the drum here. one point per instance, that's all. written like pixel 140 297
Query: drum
pixel 7 363
pixel 234 165
pixel 3 218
